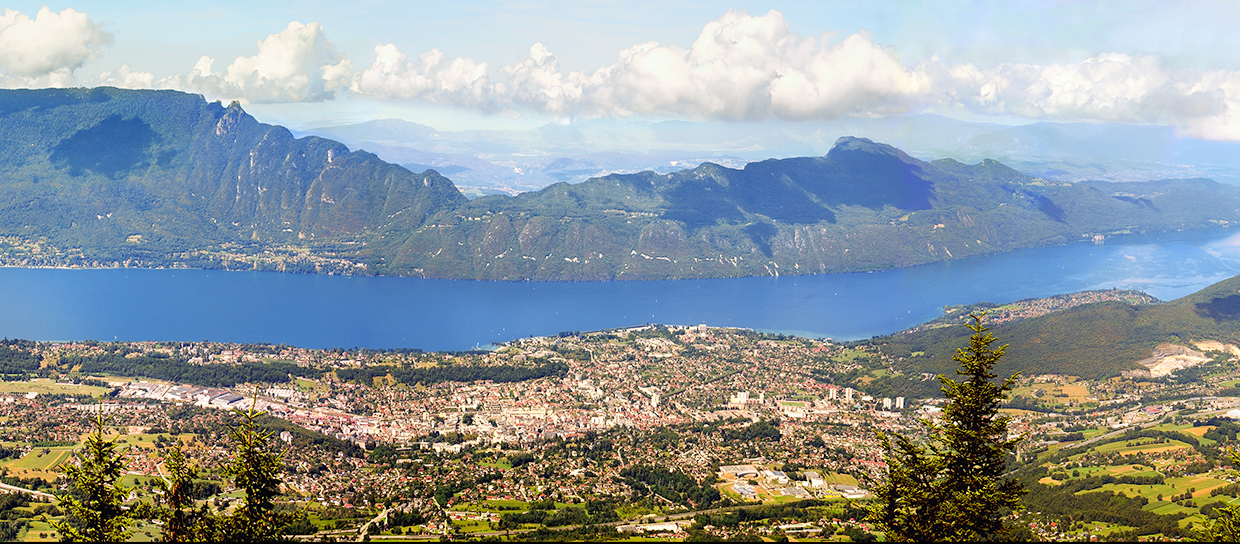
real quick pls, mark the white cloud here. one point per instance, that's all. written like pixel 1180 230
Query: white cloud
pixel 126 78
pixel 297 64
pixel 433 77
pixel 44 51
pixel 743 67
pixel 740 67
pixel 1110 87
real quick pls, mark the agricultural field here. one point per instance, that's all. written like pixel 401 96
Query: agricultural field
pixel 40 462
pixel 45 386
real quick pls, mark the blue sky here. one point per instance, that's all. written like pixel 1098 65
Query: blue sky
pixel 514 64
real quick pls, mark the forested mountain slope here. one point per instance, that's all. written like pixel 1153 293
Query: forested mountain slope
pixel 99 177
pixel 863 206
pixel 138 174
pixel 1092 340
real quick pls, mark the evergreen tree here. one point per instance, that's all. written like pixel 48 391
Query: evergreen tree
pixel 182 523
pixel 953 489
pixel 1226 527
pixel 256 469
pixel 95 503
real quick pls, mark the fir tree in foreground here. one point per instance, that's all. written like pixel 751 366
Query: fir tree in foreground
pixel 181 521
pixel 954 489
pixel 95 504
pixel 256 469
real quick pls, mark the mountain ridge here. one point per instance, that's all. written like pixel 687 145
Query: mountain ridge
pixel 162 178
pixel 1095 340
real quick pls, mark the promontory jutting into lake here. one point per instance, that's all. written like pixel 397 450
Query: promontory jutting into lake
pixel 394 312
pixel 861 241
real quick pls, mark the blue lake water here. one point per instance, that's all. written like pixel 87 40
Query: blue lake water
pixel 389 312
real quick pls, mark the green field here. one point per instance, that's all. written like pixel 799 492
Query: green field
pixel 850 355
pixel 44 386
pixel 502 463
pixel 837 478
pixel 498 505
pixel 472 526
pixel 39 465
pixel 1140 445
pixel 39 531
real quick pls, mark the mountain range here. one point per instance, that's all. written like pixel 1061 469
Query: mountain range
pixel 152 176
pixel 512 161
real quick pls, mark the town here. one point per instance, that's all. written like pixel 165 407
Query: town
pixel 638 430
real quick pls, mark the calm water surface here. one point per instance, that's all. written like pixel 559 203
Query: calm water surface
pixel 334 311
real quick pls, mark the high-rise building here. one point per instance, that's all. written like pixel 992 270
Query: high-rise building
pixel 848 394
pixel 899 403
pixel 887 403
pixel 833 393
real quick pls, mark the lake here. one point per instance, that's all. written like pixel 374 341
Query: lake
pixel 389 312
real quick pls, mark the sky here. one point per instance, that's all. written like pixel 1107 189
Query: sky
pixel 507 64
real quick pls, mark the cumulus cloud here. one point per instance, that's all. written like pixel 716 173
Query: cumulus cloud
pixel 1109 87
pixel 432 77
pixel 744 67
pixel 297 64
pixel 125 77
pixel 740 67
pixel 44 51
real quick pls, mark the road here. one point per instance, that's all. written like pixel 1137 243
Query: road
pixel 37 494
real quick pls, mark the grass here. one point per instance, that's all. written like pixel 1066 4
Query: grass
pixel 495 505
pixel 837 478
pixel 472 526
pixel 34 465
pixel 1140 445
pixel 45 386
pixel 850 355
pixel 40 527
pixel 502 463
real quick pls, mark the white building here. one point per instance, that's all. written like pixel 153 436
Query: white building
pixel 899 403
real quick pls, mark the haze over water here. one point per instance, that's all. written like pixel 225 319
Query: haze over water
pixel 390 312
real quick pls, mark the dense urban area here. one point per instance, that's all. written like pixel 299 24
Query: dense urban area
pixel 672 432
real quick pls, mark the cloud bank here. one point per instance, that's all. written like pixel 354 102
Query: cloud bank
pixel 740 67
pixel 44 51
pixel 297 64
pixel 746 68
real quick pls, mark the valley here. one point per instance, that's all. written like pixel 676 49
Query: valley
pixel 549 437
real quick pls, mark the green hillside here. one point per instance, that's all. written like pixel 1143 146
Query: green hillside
pixel 107 177
pixel 863 206
pixel 122 174
pixel 1092 340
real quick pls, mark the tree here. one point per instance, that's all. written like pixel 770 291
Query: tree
pixel 95 503
pixel 182 523
pixel 954 488
pixel 256 469
pixel 1226 527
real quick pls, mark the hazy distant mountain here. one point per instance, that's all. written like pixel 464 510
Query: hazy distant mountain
pixel 507 162
pixel 117 175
